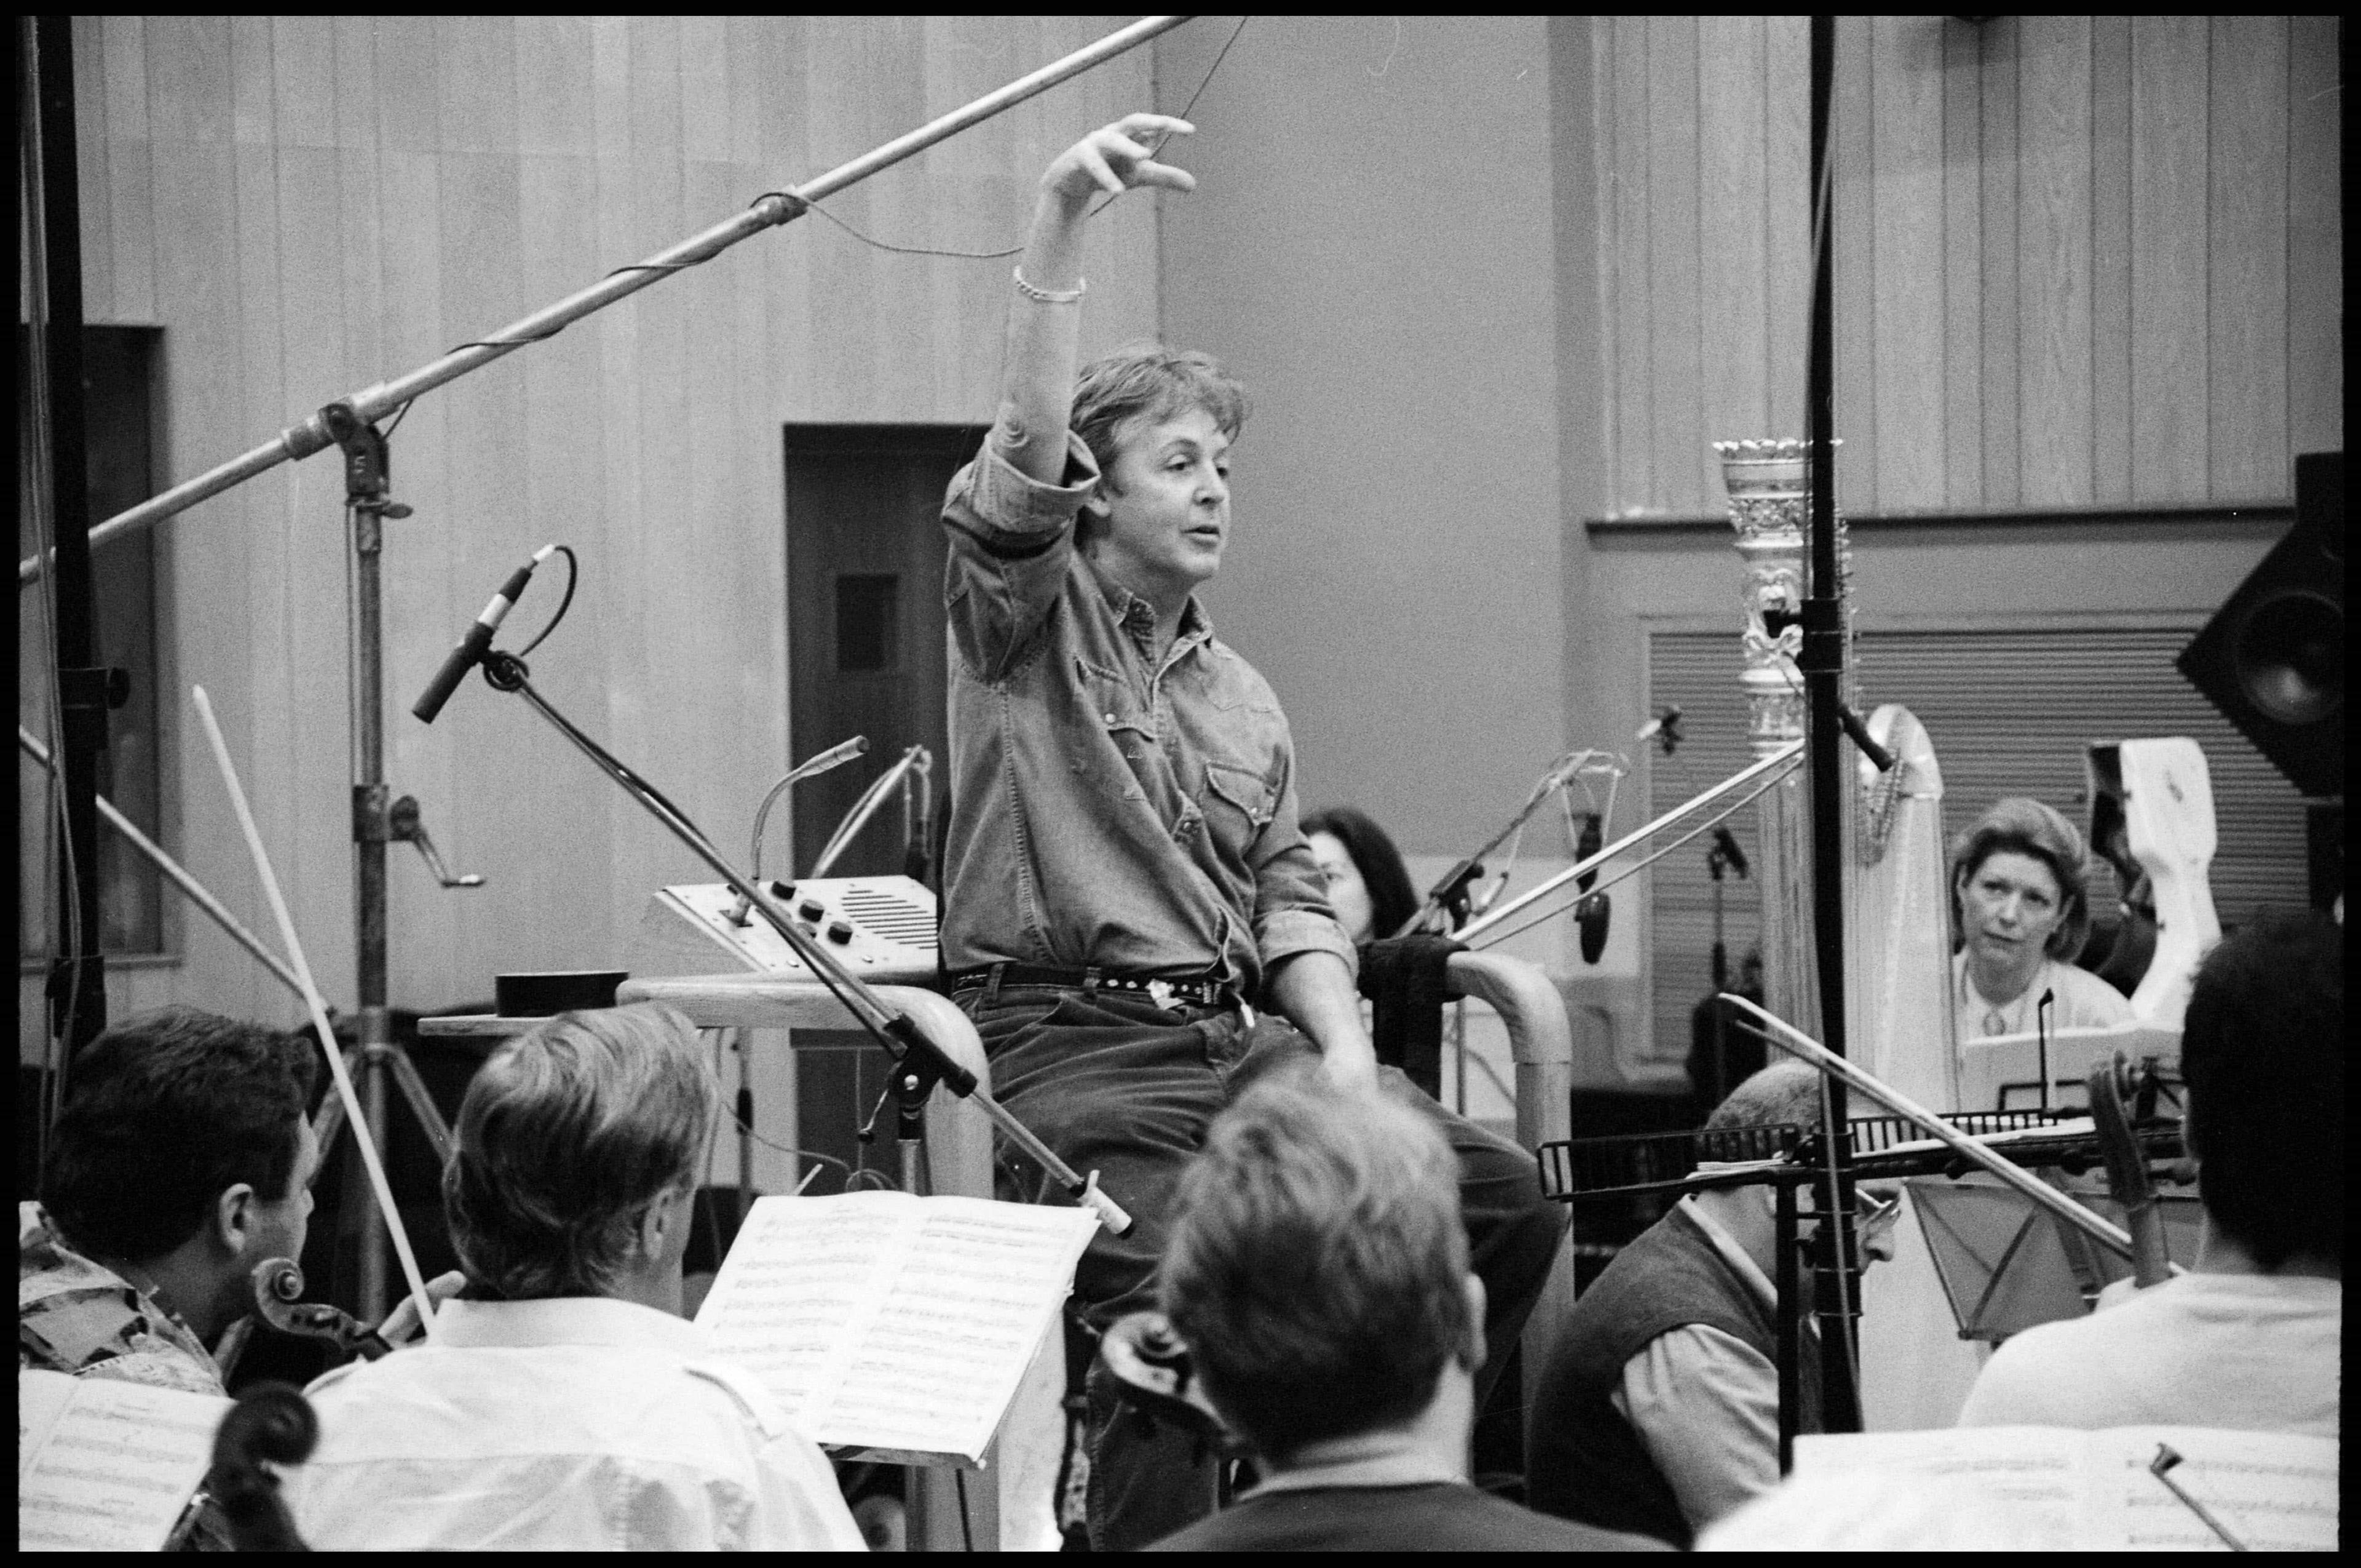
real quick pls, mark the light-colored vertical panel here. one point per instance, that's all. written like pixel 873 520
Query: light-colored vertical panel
pixel 1787 214
pixel 303 78
pixel 355 43
pixel 2315 239
pixel 476 78
pixel 1733 263
pixel 2000 42
pixel 130 188
pixel 2053 205
pixel 188 90
pixel 553 85
pixel 254 108
pixel 1906 57
pixel 409 94
pixel 704 90
pixel 1675 368
pixel 2170 416
pixel 2246 282
pixel 2111 259
pixel 1852 249
pixel 1963 359
pixel 1633 397
pixel 91 169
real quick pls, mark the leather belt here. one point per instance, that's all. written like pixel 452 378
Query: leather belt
pixel 1197 989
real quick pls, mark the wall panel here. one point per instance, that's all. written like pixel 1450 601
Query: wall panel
pixel 307 205
pixel 2080 260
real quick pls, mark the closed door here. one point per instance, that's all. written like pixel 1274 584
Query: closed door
pixel 865 619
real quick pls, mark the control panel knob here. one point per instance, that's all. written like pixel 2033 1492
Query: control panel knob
pixel 839 932
pixel 812 909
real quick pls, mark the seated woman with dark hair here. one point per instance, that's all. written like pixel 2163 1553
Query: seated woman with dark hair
pixel 563 1402
pixel 1368 887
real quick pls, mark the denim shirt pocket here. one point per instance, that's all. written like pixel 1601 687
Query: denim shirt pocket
pixel 1128 731
pixel 1239 803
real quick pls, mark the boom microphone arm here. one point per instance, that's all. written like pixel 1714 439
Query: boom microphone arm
pixel 894 1030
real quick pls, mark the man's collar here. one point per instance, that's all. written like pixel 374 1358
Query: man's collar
pixel 1405 1467
pixel 1731 1252
pixel 1139 617
pixel 565 1320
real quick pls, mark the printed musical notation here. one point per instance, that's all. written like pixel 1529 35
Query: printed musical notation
pixel 880 1320
pixel 2093 1491
pixel 103 1465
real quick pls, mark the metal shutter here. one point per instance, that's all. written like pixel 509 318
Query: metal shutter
pixel 2009 712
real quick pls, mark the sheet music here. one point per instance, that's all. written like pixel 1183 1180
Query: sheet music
pixel 2275 1493
pixel 2093 1491
pixel 103 1465
pixel 880 1320
pixel 957 1324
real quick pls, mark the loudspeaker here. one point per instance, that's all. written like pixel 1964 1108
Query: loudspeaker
pixel 2272 659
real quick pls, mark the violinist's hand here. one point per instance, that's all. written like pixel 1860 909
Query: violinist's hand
pixel 401 1325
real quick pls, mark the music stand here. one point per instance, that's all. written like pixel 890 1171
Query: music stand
pixel 2007 1267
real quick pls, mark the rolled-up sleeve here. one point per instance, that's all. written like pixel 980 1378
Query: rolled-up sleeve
pixel 1292 912
pixel 1010 536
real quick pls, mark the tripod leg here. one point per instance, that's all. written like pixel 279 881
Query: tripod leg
pixel 421 1104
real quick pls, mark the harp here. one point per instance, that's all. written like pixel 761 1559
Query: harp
pixel 1914 1371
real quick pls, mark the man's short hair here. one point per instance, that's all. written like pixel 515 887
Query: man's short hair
pixel 162 1114
pixel 566 1135
pixel 2023 827
pixel 1317 1268
pixel 2262 1048
pixel 1785 1093
pixel 1150 381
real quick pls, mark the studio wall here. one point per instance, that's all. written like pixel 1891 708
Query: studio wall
pixel 306 205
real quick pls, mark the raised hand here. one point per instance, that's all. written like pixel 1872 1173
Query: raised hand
pixel 1116 158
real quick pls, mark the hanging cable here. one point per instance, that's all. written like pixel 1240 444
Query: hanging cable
pixel 1018 250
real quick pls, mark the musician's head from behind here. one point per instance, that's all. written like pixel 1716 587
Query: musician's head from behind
pixel 1318 1271
pixel 2263 1051
pixel 181 1157
pixel 1784 1095
pixel 578 1151
pixel 1159 424
pixel 2019 889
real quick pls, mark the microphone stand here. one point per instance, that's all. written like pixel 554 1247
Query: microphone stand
pixel 919 1063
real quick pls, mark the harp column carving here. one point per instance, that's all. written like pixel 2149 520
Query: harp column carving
pixel 1765 481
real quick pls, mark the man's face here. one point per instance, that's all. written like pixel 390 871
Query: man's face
pixel 1167 506
pixel 2013 902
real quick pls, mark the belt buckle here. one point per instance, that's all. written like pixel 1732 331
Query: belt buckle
pixel 1160 993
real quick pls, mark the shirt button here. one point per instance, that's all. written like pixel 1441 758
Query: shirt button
pixel 1110 718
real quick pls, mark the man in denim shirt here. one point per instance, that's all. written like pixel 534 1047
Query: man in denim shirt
pixel 1125 878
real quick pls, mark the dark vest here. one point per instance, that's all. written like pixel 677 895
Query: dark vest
pixel 1585 1462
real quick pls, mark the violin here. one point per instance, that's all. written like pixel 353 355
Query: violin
pixel 2113 1090
pixel 1155 1376
pixel 278 1298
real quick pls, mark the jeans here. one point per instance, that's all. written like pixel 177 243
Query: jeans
pixel 1115 1084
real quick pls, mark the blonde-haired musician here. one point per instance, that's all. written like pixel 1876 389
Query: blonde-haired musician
pixel 2020 897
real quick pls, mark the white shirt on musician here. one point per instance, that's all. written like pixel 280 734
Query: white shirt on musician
pixel 580 1424
pixel 2081 1001
pixel 2253 1352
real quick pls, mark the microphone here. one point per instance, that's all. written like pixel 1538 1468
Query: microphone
pixel 835 756
pixel 2041 1029
pixel 1664 728
pixel 476 641
pixel 1727 842
pixel 1590 919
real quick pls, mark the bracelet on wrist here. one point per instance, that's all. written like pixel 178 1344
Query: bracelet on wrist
pixel 1049 296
